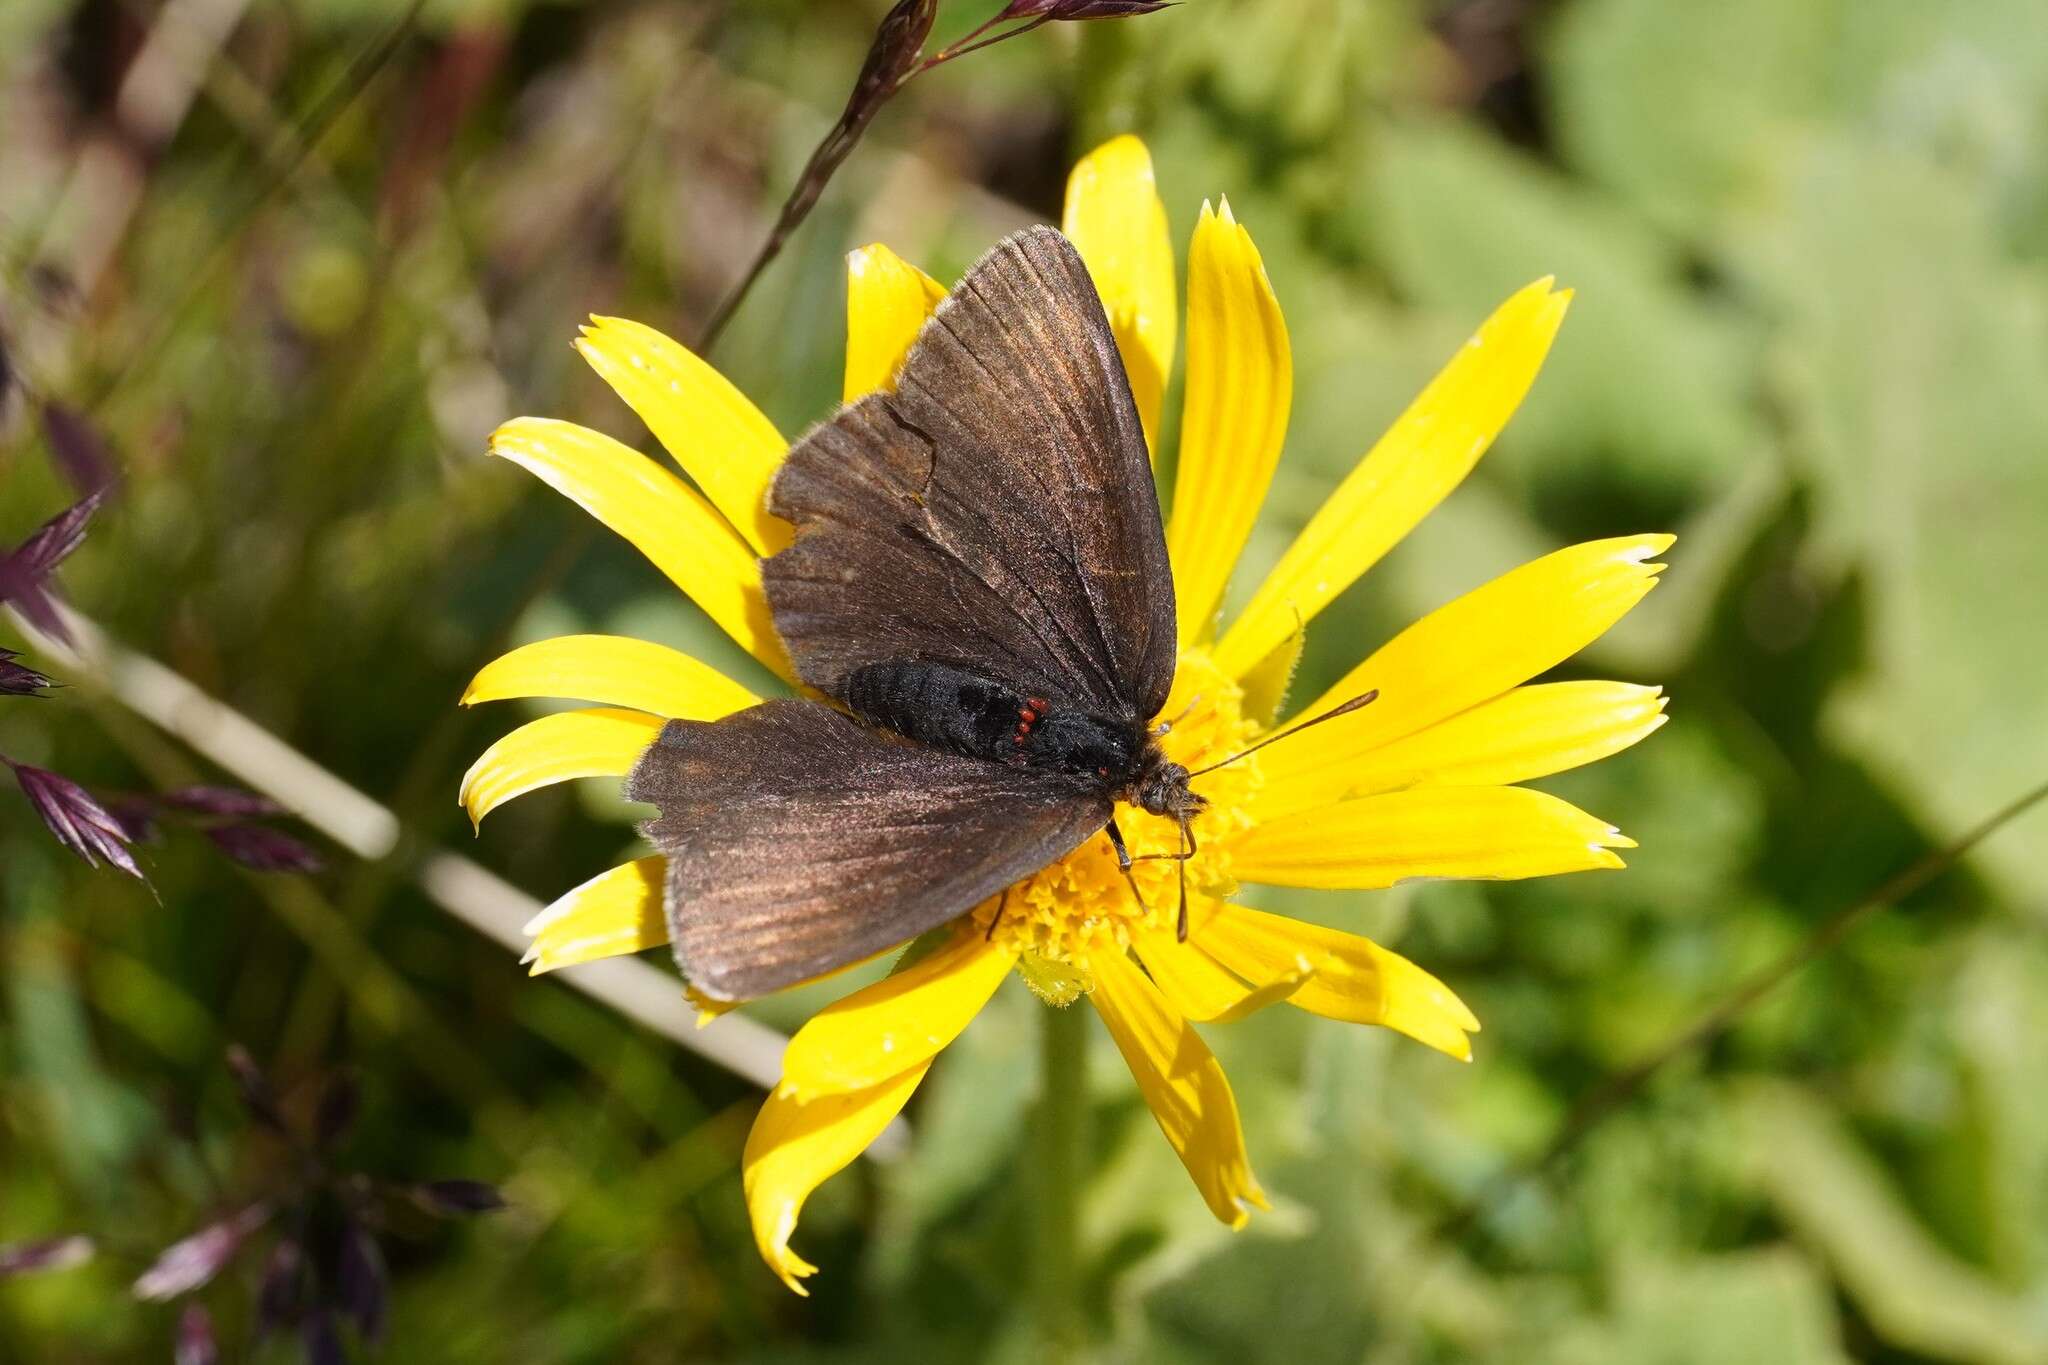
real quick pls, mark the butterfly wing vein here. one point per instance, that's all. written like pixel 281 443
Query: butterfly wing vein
pixel 799 840
pixel 995 513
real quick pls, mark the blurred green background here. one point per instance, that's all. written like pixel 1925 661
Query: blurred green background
pixel 1811 336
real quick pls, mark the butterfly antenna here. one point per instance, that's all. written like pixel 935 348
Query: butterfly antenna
pixel 1343 709
pixel 1165 727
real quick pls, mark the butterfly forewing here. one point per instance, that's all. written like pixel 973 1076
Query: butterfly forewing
pixel 994 515
pixel 799 841
pixel 996 512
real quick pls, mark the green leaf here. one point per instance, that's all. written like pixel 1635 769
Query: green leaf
pixel 1681 108
pixel 1915 1293
pixel 1643 399
pixel 1692 112
pixel 1909 361
pixel 1724 1310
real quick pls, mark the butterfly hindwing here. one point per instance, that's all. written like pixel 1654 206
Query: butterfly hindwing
pixel 996 512
pixel 798 840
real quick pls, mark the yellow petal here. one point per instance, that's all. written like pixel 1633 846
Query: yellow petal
pixel 1422 457
pixel 1355 979
pixel 899 1021
pixel 1200 988
pixel 1491 639
pixel 614 671
pixel 600 742
pixel 1266 682
pixel 1182 1083
pixel 1240 382
pixel 1115 219
pixel 1527 733
pixel 1376 841
pixel 660 515
pixel 887 302
pixel 614 912
pixel 714 431
pixel 794 1148
pixel 709 1009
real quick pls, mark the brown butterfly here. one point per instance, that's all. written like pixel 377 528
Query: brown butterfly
pixel 979 577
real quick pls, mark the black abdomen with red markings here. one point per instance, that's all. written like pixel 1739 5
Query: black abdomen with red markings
pixel 966 713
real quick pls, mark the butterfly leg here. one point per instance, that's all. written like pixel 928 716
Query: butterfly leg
pixel 1001 906
pixel 1123 863
pixel 1188 849
pixel 1187 845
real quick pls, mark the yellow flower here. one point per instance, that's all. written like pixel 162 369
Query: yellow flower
pixel 1419 784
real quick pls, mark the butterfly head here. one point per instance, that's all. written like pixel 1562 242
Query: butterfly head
pixel 1161 787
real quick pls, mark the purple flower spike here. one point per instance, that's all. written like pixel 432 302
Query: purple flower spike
pixel 24 574
pixel 228 801
pixel 78 821
pixel 56 538
pixel 264 849
pixel 136 816
pixel 450 1197
pixel 277 1301
pixel 196 1343
pixel 186 1265
pixel 321 1340
pixel 19 680
pixel 361 1282
pixel 258 1096
pixel 898 41
pixel 337 1112
pixel 51 1253
pixel 78 448
pixel 1080 9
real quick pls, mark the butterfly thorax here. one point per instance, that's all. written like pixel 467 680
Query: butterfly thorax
pixel 970 714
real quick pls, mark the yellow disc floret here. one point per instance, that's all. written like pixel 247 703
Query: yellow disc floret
pixel 1081 905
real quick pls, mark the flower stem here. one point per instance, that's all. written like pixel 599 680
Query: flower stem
pixel 1061 1132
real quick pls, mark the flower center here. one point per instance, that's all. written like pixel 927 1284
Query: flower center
pixel 1083 904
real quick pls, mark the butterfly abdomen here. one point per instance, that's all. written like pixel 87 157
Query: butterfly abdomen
pixel 939 705
pixel 966 713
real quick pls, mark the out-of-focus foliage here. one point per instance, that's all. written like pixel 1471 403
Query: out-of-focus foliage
pixel 1810 335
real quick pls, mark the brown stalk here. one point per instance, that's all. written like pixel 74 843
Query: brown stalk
pixel 895 58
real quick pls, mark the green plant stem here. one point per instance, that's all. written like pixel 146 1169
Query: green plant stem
pixel 1061 1143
